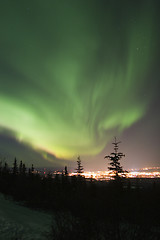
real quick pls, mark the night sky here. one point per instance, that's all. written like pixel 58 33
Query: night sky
pixel 74 74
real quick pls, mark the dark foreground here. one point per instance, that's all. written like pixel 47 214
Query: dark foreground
pixel 116 210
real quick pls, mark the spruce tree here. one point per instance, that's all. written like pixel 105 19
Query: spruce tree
pixel 15 167
pixel 115 158
pixel 5 168
pixel 65 171
pixel 32 168
pixel 20 167
pixel 79 168
pixel 24 169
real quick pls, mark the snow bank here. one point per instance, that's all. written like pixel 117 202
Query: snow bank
pixel 22 223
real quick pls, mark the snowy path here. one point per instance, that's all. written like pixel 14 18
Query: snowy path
pixel 22 222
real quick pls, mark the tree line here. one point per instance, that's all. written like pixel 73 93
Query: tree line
pixel 85 209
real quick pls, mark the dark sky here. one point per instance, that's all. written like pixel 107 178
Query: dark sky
pixel 74 74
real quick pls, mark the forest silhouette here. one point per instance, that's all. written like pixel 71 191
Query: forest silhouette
pixel 86 208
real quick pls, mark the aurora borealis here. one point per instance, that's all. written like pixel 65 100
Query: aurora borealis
pixel 76 73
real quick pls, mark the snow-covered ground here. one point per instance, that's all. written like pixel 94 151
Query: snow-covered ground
pixel 21 223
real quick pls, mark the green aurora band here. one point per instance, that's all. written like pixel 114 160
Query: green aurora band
pixel 72 73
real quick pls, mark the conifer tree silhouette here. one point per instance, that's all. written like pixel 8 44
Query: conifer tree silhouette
pixel 79 168
pixel 15 167
pixel 32 168
pixel 115 158
pixel 20 167
pixel 65 171
pixel 24 169
pixel 5 168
